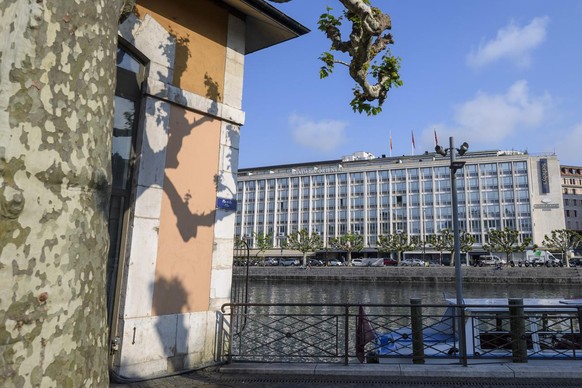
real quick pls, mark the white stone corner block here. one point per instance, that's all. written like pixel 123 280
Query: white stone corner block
pixel 154 143
pixel 230 135
pixel 152 40
pixel 224 224
pixel 227 185
pixel 220 283
pixel 148 202
pixel 222 253
pixel 141 268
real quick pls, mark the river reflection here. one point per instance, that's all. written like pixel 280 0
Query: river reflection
pixel 394 293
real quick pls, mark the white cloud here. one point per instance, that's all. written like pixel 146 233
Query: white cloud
pixel 568 146
pixel 496 117
pixel 322 135
pixel 512 42
pixel 491 119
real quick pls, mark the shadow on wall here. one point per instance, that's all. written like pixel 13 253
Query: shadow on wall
pixel 176 45
pixel 171 299
pixel 187 221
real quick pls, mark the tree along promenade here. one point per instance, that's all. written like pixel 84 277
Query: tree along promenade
pixel 488 275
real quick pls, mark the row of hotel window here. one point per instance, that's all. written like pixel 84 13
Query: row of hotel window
pixel 441 184
pixel 385 201
pixel 249 195
pixel 473 212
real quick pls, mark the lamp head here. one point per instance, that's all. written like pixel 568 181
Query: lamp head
pixel 464 148
pixel 440 150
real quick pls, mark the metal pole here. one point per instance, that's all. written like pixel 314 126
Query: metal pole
pixel 457 245
pixel 518 333
pixel 347 335
pixel 416 326
pixel 423 235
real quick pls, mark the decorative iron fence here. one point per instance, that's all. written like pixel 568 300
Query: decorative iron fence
pixel 347 333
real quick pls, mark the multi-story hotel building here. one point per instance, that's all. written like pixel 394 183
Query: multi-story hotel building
pixel 376 196
pixel 572 193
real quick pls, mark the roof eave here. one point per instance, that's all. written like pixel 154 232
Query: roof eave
pixel 265 25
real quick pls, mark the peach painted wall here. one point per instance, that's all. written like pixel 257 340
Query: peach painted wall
pixel 200 28
pixel 186 235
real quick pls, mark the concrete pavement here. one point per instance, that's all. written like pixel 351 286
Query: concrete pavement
pixel 488 374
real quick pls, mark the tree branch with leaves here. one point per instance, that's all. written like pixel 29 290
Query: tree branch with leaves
pixel 263 241
pixel 563 240
pixel 506 241
pixel 304 242
pixel 397 242
pixel 370 63
pixel 441 242
pixel 350 243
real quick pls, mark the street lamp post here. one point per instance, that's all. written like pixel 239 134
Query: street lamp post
pixel 281 237
pixel 423 224
pixel 454 166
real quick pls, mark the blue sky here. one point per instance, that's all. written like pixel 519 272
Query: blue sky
pixel 499 74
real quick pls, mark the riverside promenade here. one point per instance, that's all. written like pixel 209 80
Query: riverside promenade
pixel 483 275
pixel 534 374
pixel 501 373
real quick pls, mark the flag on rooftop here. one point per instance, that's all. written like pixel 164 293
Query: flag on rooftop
pixel 390 143
pixel 413 144
pixel 436 140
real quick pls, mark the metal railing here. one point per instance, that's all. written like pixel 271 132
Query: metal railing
pixel 372 333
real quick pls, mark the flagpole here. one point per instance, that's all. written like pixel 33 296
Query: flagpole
pixel 413 145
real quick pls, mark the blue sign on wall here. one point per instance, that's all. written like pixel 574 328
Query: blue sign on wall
pixel 544 176
pixel 225 203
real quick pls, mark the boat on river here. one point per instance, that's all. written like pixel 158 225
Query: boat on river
pixel 550 328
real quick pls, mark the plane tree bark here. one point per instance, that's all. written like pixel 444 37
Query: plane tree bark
pixel 57 76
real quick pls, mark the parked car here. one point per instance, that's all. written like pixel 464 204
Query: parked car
pixel 334 263
pixel 576 262
pixel 390 261
pixel 413 263
pixel 272 261
pixel 536 258
pixel 289 261
pixel 314 262
pixel 358 263
pixel 488 260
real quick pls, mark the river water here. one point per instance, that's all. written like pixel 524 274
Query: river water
pixel 354 292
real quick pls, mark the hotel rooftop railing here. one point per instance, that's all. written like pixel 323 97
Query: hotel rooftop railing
pixel 372 333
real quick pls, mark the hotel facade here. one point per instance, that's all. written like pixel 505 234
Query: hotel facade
pixel 375 196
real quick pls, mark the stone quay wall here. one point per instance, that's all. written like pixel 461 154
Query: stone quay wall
pixel 483 275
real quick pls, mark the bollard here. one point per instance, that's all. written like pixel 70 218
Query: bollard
pixel 518 334
pixel 417 335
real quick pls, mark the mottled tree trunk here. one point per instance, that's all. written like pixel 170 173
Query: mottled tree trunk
pixel 57 78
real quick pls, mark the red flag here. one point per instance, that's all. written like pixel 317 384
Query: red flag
pixel 436 140
pixel 364 334
pixel 390 141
